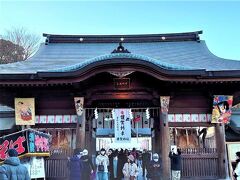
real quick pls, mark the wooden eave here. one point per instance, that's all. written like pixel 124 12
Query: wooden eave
pixel 51 78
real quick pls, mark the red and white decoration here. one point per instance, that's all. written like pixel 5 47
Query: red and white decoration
pixel 138 118
pixel 51 119
pixel 189 117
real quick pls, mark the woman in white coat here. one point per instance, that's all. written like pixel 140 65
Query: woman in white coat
pixel 130 169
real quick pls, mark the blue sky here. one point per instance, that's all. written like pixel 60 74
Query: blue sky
pixel 219 20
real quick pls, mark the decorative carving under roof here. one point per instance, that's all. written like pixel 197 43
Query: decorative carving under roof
pixel 120 49
pixel 120 74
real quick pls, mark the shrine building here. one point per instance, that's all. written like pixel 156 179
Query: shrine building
pixel 125 72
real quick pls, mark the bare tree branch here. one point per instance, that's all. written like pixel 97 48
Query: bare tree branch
pixel 24 38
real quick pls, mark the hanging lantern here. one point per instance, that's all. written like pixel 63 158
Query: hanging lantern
pixel 130 114
pixel 96 113
pixel 147 113
pixel 113 114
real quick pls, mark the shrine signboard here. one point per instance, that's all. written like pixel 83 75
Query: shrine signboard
pixel 122 126
pixel 27 143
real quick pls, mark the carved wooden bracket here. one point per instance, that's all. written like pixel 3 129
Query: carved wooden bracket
pixel 120 74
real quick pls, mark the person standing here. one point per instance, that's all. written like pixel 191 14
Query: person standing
pixel 130 169
pixel 115 163
pixel 146 157
pixel 154 168
pixel 86 166
pixel 12 169
pixel 237 169
pixel 176 164
pixel 111 168
pixel 120 163
pixel 74 165
pixel 102 163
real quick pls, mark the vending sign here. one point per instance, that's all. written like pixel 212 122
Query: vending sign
pixel 27 143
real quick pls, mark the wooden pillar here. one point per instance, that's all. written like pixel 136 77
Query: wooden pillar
pixel 82 131
pixel 221 149
pixel 81 120
pixel 78 132
pixel 165 145
pixel 165 141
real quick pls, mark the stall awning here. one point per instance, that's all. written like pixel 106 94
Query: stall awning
pixel 235 120
pixel 6 123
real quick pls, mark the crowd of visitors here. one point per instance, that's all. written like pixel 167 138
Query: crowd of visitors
pixel 110 165
pixel 121 165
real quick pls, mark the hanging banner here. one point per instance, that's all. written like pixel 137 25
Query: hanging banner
pixel 27 143
pixel 222 109
pixel 52 119
pixel 25 111
pixel 79 105
pixel 164 103
pixel 122 125
pixel 189 118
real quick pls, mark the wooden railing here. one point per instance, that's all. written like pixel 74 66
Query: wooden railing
pixel 197 163
pixel 200 163
pixel 56 165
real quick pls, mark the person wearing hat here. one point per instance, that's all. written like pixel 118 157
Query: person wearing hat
pixel 12 169
pixel 154 168
pixel 102 163
pixel 176 163
pixel 74 165
pixel 86 165
pixel 130 169
pixel 237 169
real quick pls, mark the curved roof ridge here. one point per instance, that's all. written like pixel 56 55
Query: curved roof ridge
pixel 163 65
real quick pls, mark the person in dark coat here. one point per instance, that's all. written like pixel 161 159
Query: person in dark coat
pixel 110 168
pixel 176 164
pixel 86 166
pixel 74 166
pixel 146 157
pixel 121 161
pixel 12 169
pixel 154 168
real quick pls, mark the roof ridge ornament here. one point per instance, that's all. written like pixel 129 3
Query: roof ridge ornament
pixel 120 49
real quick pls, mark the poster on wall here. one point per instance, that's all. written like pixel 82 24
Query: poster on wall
pixel 79 105
pixel 25 111
pixel 164 103
pixel 37 168
pixel 26 143
pixel 122 126
pixel 221 112
pixel 232 148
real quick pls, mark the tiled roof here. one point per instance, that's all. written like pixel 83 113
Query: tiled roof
pixel 4 108
pixel 173 55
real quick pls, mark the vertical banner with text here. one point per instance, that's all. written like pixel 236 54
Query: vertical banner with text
pixel 25 111
pixel 222 106
pixel 122 125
